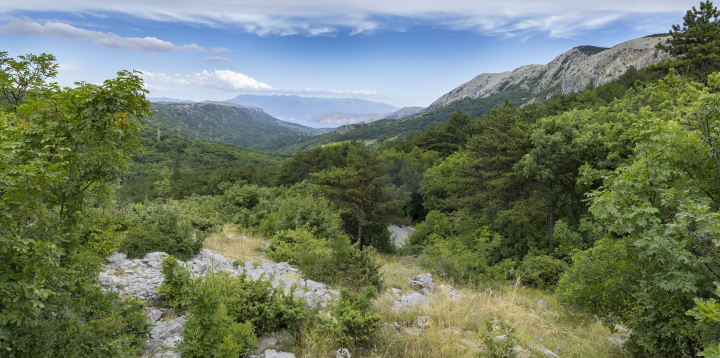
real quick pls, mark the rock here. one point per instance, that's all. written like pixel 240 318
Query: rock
pixel 414 331
pixel 342 353
pixel 616 341
pixel 396 271
pixel 273 354
pixel 542 303
pixel 451 292
pixel 266 343
pixel 621 329
pixel 453 330
pixel 395 291
pixel 108 280
pixel 410 301
pixel 153 315
pixel 423 322
pixel 265 245
pixel 314 286
pixel 249 264
pixel 521 352
pixel 422 281
pixel 544 351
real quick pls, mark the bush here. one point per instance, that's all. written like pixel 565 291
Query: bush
pixel 334 261
pixel 256 302
pixel 436 224
pixel 153 228
pixel 496 347
pixel 210 331
pixel 353 325
pixel 296 211
pixel 541 270
pixel 205 212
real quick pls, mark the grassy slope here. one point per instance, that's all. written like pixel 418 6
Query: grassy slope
pixel 567 332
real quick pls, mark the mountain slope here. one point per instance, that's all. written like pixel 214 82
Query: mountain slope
pixel 349 118
pixel 570 72
pixel 224 122
pixel 296 108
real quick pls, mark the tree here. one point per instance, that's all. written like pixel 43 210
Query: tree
pixel 60 148
pixel 358 190
pixel 660 213
pixel 696 43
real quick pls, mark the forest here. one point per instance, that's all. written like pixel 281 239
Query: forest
pixel 607 199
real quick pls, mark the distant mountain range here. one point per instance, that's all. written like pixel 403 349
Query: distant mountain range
pixel 572 71
pixel 166 99
pixel 338 118
pixel 304 109
pixel 224 122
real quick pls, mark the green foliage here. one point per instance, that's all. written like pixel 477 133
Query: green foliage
pixel 708 312
pixel 159 228
pixel 436 224
pixel 541 270
pixel 177 285
pixel 499 339
pixel 660 210
pixel 696 44
pixel 352 324
pixel 464 257
pixel 314 213
pixel 59 147
pixel 211 331
pixel 264 308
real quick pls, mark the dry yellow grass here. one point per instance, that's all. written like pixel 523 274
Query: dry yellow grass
pixel 233 243
pixel 564 331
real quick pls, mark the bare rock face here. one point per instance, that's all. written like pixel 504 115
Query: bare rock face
pixel 420 282
pixel 410 301
pixel 570 72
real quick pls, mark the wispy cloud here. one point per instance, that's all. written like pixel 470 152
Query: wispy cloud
pixel 323 17
pixel 219 50
pixel 215 59
pixel 28 27
pixel 225 80
pixel 228 80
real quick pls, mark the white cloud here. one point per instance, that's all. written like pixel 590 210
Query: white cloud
pixel 70 66
pixel 215 59
pixel 334 92
pixel 225 80
pixel 324 17
pixel 28 27
pixel 219 50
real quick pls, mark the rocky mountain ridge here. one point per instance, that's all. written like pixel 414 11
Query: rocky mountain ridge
pixel 572 71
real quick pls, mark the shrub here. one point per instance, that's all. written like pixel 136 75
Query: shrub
pixel 210 331
pixel 461 258
pixel 205 212
pixel 296 211
pixel 435 224
pixel 177 284
pixel 335 261
pixel 541 270
pixel 499 339
pixel 352 324
pixel 153 228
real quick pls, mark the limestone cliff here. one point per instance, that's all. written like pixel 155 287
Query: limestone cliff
pixel 570 72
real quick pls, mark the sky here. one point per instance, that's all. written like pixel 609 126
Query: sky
pixel 400 52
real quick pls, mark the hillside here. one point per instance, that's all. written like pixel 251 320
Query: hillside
pixel 223 122
pixel 350 118
pixel 302 109
pixel 570 72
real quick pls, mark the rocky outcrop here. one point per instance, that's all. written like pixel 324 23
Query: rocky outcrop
pixel 141 277
pixel 570 72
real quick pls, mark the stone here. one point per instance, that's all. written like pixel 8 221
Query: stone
pixel 342 353
pixel 425 292
pixel 249 264
pixel 452 330
pixel 414 331
pixel 616 341
pixel 270 353
pixel 621 329
pixel 108 280
pixel 542 303
pixel 153 315
pixel 410 301
pixel 314 286
pixel 422 281
pixel 395 291
pixel 266 343
pixel 544 351
pixel 397 272
pixel 423 322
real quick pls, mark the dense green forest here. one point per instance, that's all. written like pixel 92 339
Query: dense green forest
pixel 609 197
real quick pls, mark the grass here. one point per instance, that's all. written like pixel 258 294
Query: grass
pixel 565 331
pixel 234 243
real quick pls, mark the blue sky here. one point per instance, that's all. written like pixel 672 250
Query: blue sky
pixel 401 52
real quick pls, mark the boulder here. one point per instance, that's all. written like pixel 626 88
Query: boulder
pixel 270 353
pixel 410 301
pixel 342 353
pixel 422 281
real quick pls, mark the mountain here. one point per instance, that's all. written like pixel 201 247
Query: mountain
pixel 166 99
pixel 570 72
pixel 302 109
pixel 349 118
pixel 224 122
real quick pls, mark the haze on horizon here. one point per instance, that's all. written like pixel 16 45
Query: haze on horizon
pixel 395 52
